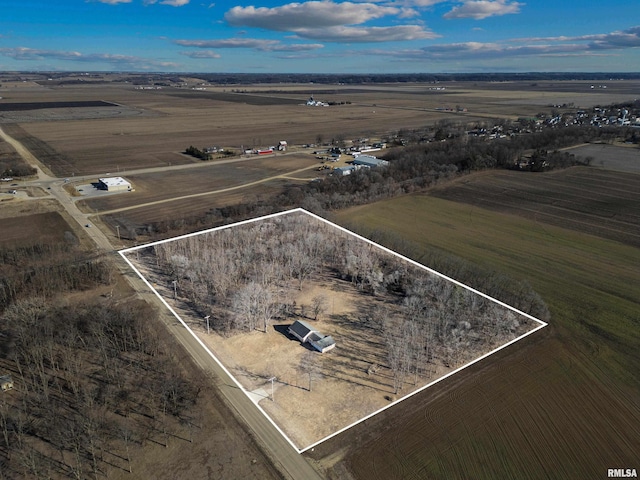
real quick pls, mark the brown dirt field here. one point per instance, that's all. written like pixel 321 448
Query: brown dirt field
pixel 35 221
pixel 493 421
pixel 596 201
pixel 561 404
pixel 620 158
pixel 192 208
pixel 151 187
pixel 164 124
pixel 40 227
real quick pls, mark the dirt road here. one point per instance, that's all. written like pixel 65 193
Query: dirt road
pixel 292 465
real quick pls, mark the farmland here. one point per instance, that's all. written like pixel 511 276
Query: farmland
pixel 563 403
pixel 611 157
pixel 212 176
pixel 556 407
pixel 46 227
pixel 154 126
pixel 589 200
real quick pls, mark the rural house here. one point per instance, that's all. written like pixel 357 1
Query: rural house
pixel 301 330
pixel 307 334
pixel 321 343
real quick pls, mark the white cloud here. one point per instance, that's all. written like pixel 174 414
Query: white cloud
pixel 201 54
pixel 253 43
pixel 313 14
pixel 480 9
pixel 562 46
pixel 173 3
pixel 115 60
pixel 113 2
pixel 629 38
pixel 348 34
pixel 329 21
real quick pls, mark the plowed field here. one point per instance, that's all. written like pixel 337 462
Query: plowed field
pixel 564 403
pixel 589 200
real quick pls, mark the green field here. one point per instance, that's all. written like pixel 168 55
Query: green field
pixel 564 403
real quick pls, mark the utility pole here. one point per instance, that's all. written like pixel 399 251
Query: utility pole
pixel 207 319
pixel 272 379
pixel 118 230
pixel 175 291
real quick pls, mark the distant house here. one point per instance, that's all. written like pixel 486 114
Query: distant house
pixel 307 334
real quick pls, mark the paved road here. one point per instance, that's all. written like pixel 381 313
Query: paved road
pixel 293 465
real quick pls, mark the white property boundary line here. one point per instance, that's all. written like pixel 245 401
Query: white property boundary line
pixel 412 262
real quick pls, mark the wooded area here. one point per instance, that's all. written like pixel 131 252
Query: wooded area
pixel 246 277
pixel 92 380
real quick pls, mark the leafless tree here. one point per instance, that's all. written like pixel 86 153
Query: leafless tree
pixel 319 305
pixel 310 366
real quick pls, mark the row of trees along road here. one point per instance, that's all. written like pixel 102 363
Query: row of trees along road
pixel 413 168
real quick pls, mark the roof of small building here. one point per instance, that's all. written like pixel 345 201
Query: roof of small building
pixel 301 328
pixel 113 181
pixel 321 342
pixel 369 160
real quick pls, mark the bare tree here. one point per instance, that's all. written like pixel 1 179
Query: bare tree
pixel 309 365
pixel 254 304
pixel 319 305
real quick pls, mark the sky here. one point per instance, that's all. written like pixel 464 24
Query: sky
pixel 327 36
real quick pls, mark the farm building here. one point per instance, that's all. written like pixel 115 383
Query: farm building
pixel 301 330
pixel 114 184
pixel 307 334
pixel 369 161
pixel 344 170
pixel 321 343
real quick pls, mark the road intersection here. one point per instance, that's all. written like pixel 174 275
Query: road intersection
pixel 285 457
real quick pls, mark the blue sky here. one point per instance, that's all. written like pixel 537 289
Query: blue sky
pixel 328 36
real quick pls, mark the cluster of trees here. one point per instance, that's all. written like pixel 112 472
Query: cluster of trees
pixel 12 164
pixel 92 381
pixel 15 168
pixel 516 293
pixel 197 153
pixel 47 269
pixel 245 277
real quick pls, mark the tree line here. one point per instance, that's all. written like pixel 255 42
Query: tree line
pixel 412 169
